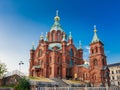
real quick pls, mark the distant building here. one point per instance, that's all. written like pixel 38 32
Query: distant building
pixel 114 74
pixel 11 78
pixel 57 57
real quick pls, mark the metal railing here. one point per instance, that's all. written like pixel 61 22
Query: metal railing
pixel 77 88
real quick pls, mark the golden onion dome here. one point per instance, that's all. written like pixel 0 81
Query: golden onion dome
pixel 57 18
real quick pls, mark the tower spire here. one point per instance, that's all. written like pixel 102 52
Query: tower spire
pixel 64 38
pixel 80 45
pixel 57 18
pixel 41 36
pixel 56 12
pixel 95 29
pixel 70 35
pixel 46 37
pixel 56 25
pixel 33 48
pixel 95 37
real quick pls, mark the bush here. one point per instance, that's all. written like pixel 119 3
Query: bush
pixel 23 84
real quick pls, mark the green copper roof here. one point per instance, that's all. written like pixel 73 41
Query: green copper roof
pixel 46 37
pixel 41 36
pixel 33 48
pixel 56 25
pixel 51 45
pixel 95 37
pixel 84 65
pixel 70 36
pixel 80 45
pixel 64 38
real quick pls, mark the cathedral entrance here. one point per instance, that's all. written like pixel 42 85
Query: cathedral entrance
pixel 71 64
pixel 69 73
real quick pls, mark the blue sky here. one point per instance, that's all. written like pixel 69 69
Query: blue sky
pixel 22 21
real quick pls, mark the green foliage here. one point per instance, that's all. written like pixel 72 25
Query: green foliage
pixel 3 68
pixel 23 84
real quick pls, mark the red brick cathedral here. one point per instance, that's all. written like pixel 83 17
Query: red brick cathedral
pixel 56 56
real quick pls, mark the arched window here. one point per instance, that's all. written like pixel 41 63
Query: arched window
pixel 41 62
pixel 71 55
pixel 71 62
pixel 71 52
pixel 58 59
pixel 58 36
pixel 96 49
pixel 40 53
pixel 58 70
pixel 38 62
pixel 50 71
pixel 92 51
pixel 86 75
pixel 95 62
pixel 50 60
pixel 52 36
pixel 103 61
pixel 102 49
pixel 94 77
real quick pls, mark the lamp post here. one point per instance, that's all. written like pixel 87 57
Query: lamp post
pixel 20 63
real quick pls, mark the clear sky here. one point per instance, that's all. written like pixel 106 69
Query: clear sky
pixel 22 21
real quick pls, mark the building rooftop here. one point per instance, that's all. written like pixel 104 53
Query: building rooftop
pixel 114 64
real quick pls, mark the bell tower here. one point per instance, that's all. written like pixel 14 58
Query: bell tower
pixel 98 61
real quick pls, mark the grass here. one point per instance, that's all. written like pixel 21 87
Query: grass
pixel 42 79
pixel 73 82
pixel 6 87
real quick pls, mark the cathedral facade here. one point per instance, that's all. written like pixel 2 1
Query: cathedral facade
pixel 57 57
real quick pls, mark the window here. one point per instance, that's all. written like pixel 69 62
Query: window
pixel 38 62
pixel 86 75
pixel 50 60
pixel 92 51
pixel 113 78
pixel 112 72
pixel 71 52
pixel 71 63
pixel 95 62
pixel 52 36
pixel 41 62
pixel 58 60
pixel 58 36
pixel 58 70
pixel 103 61
pixel 50 70
pixel 118 83
pixel 95 77
pixel 40 53
pixel 96 49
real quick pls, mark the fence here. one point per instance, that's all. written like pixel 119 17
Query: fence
pixel 77 88
pixel 6 88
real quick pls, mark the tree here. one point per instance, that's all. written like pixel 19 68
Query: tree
pixel 3 69
pixel 23 84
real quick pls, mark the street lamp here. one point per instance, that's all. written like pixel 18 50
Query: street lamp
pixel 20 63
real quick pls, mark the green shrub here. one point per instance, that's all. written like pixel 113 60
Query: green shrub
pixel 23 84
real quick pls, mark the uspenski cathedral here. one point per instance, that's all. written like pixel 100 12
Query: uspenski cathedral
pixel 58 57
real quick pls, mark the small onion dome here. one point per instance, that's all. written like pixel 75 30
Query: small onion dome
pixel 57 18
